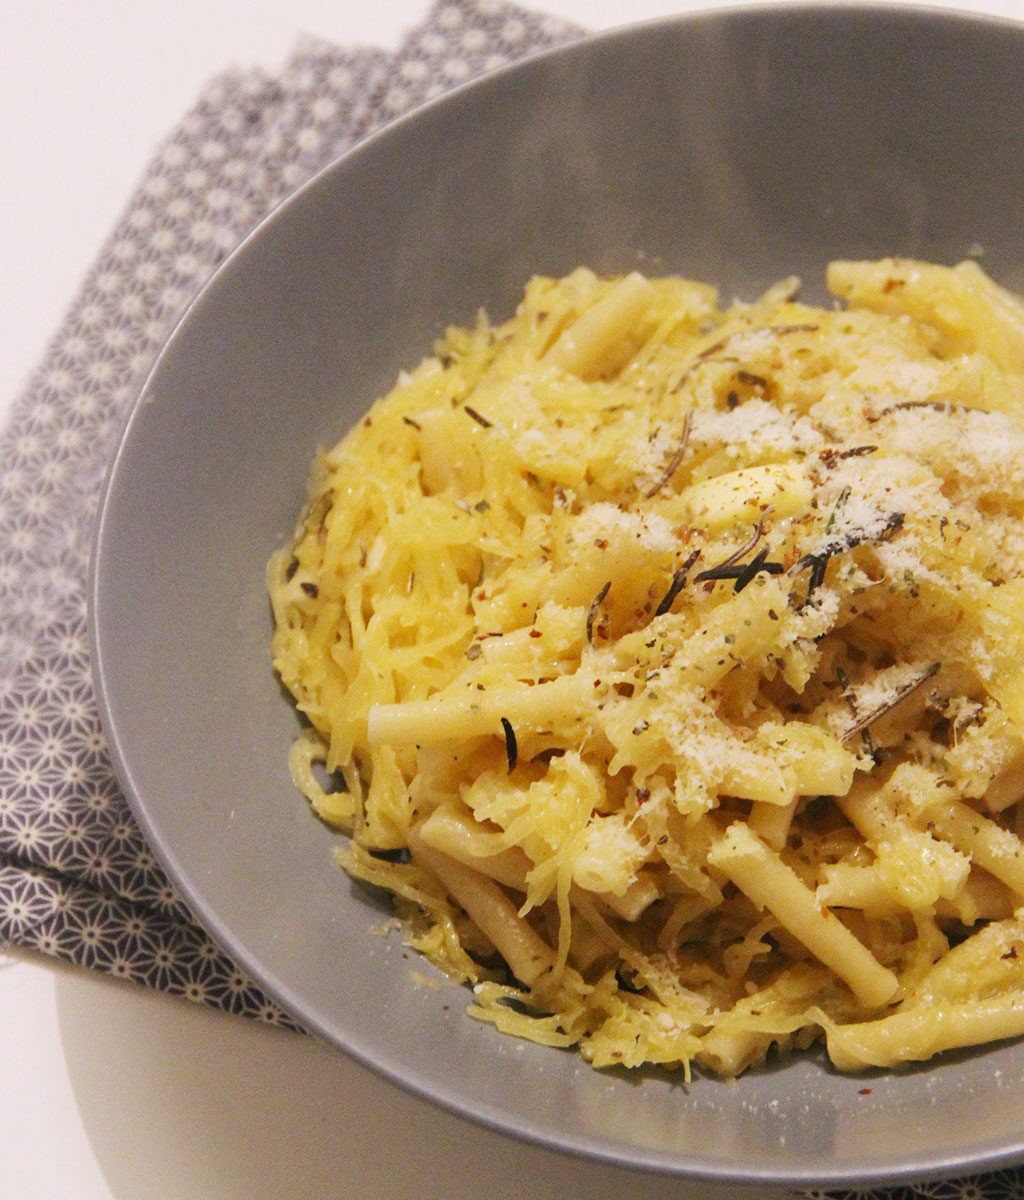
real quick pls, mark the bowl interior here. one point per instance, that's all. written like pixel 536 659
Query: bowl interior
pixel 737 147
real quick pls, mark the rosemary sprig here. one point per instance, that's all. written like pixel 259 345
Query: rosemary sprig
pixel 841 499
pixel 742 573
pixel 830 456
pixel 679 577
pixel 511 748
pixel 478 417
pixel 899 695
pixel 819 560
pixel 849 697
pixel 676 459
pixel 595 606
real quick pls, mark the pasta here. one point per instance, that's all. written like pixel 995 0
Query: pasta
pixel 663 660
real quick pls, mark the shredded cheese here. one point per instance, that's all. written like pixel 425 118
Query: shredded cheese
pixel 670 655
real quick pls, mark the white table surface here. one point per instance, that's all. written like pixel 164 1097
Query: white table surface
pixel 108 1091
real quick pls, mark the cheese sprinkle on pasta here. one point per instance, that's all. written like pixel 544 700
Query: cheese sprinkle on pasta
pixel 667 660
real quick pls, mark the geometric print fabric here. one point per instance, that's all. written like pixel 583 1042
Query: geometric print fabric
pixel 77 880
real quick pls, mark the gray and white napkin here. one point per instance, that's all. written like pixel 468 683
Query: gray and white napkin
pixel 77 880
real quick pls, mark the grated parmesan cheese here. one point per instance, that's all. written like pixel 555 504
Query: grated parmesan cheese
pixel 673 659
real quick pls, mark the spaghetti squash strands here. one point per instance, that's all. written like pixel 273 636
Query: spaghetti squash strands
pixel 670 656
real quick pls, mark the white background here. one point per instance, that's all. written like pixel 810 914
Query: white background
pixel 107 1091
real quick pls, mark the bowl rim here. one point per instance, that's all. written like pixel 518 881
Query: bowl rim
pixel 586 1147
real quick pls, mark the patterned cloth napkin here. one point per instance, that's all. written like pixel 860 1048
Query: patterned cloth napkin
pixel 77 880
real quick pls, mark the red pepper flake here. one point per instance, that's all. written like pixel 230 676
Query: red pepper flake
pixel 536 633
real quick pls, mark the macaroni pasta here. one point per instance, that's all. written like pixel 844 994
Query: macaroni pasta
pixel 664 661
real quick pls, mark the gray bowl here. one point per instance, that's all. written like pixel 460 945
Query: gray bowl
pixel 736 147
